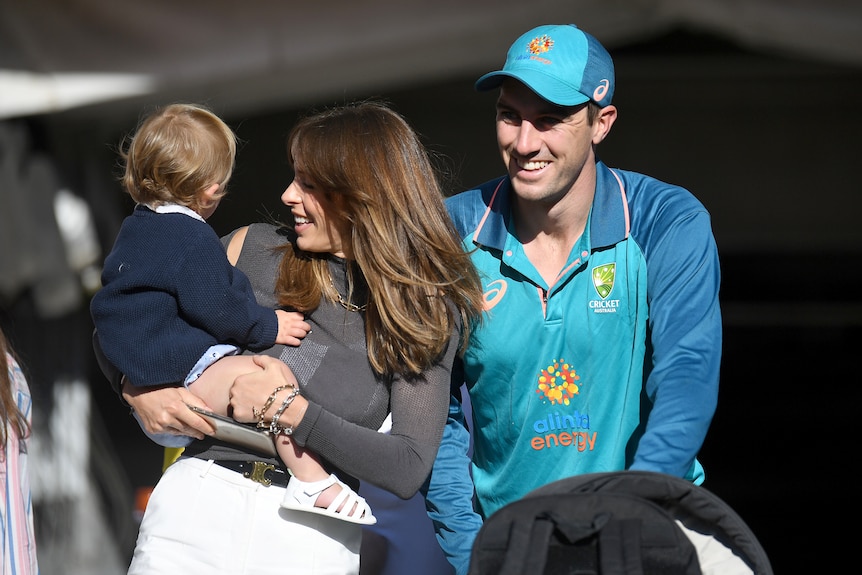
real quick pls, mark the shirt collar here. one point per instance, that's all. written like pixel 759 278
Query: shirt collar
pixel 174 209
pixel 609 218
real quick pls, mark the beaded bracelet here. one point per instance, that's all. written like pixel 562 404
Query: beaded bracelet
pixel 269 401
pixel 276 429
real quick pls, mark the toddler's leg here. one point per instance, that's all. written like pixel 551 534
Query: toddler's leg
pixel 311 486
pixel 213 385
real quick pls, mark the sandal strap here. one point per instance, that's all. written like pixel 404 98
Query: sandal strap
pixel 314 488
pixel 352 505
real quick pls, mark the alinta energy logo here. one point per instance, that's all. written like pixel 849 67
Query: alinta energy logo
pixel 558 384
pixel 603 280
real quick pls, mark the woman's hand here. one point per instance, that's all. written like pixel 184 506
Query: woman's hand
pixel 165 410
pixel 249 392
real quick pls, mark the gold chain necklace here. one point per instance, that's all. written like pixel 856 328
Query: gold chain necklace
pixel 349 306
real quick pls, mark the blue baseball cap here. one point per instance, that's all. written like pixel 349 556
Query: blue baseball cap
pixel 561 63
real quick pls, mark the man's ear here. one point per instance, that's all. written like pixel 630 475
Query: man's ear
pixel 602 126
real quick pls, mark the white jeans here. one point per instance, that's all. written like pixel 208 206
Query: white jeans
pixel 205 519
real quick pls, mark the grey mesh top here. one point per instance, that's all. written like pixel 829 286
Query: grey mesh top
pixel 348 402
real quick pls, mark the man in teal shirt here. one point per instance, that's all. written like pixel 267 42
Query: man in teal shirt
pixel 601 345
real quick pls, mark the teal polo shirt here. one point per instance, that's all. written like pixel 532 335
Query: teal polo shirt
pixel 615 365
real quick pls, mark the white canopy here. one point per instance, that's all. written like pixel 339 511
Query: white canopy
pixel 60 54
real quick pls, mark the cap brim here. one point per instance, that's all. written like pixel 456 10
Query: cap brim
pixel 546 87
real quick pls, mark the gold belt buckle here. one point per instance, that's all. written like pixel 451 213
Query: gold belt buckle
pixel 258 474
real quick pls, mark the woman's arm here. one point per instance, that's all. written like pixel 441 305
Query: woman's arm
pixel 399 461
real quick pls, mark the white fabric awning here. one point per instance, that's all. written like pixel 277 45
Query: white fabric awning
pixel 60 54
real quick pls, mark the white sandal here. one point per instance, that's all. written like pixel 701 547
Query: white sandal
pixel 302 496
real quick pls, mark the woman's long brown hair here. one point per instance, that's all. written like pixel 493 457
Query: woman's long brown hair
pixel 9 412
pixel 381 181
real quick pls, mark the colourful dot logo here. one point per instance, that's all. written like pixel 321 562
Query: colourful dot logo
pixel 540 45
pixel 557 383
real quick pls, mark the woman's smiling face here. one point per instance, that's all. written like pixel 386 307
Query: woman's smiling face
pixel 315 216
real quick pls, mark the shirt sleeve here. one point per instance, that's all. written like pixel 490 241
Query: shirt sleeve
pixel 16 507
pixel 685 343
pixel 449 492
pixel 401 460
pixel 219 298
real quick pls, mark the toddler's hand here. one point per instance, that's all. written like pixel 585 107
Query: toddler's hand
pixel 292 327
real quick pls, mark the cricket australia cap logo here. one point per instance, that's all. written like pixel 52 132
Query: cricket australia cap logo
pixel 603 279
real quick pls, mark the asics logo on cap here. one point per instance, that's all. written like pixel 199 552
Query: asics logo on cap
pixel 601 90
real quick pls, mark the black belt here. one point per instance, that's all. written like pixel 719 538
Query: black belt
pixel 258 471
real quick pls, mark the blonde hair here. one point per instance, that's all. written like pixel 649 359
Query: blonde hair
pixel 177 152
pixel 10 415
pixel 380 180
